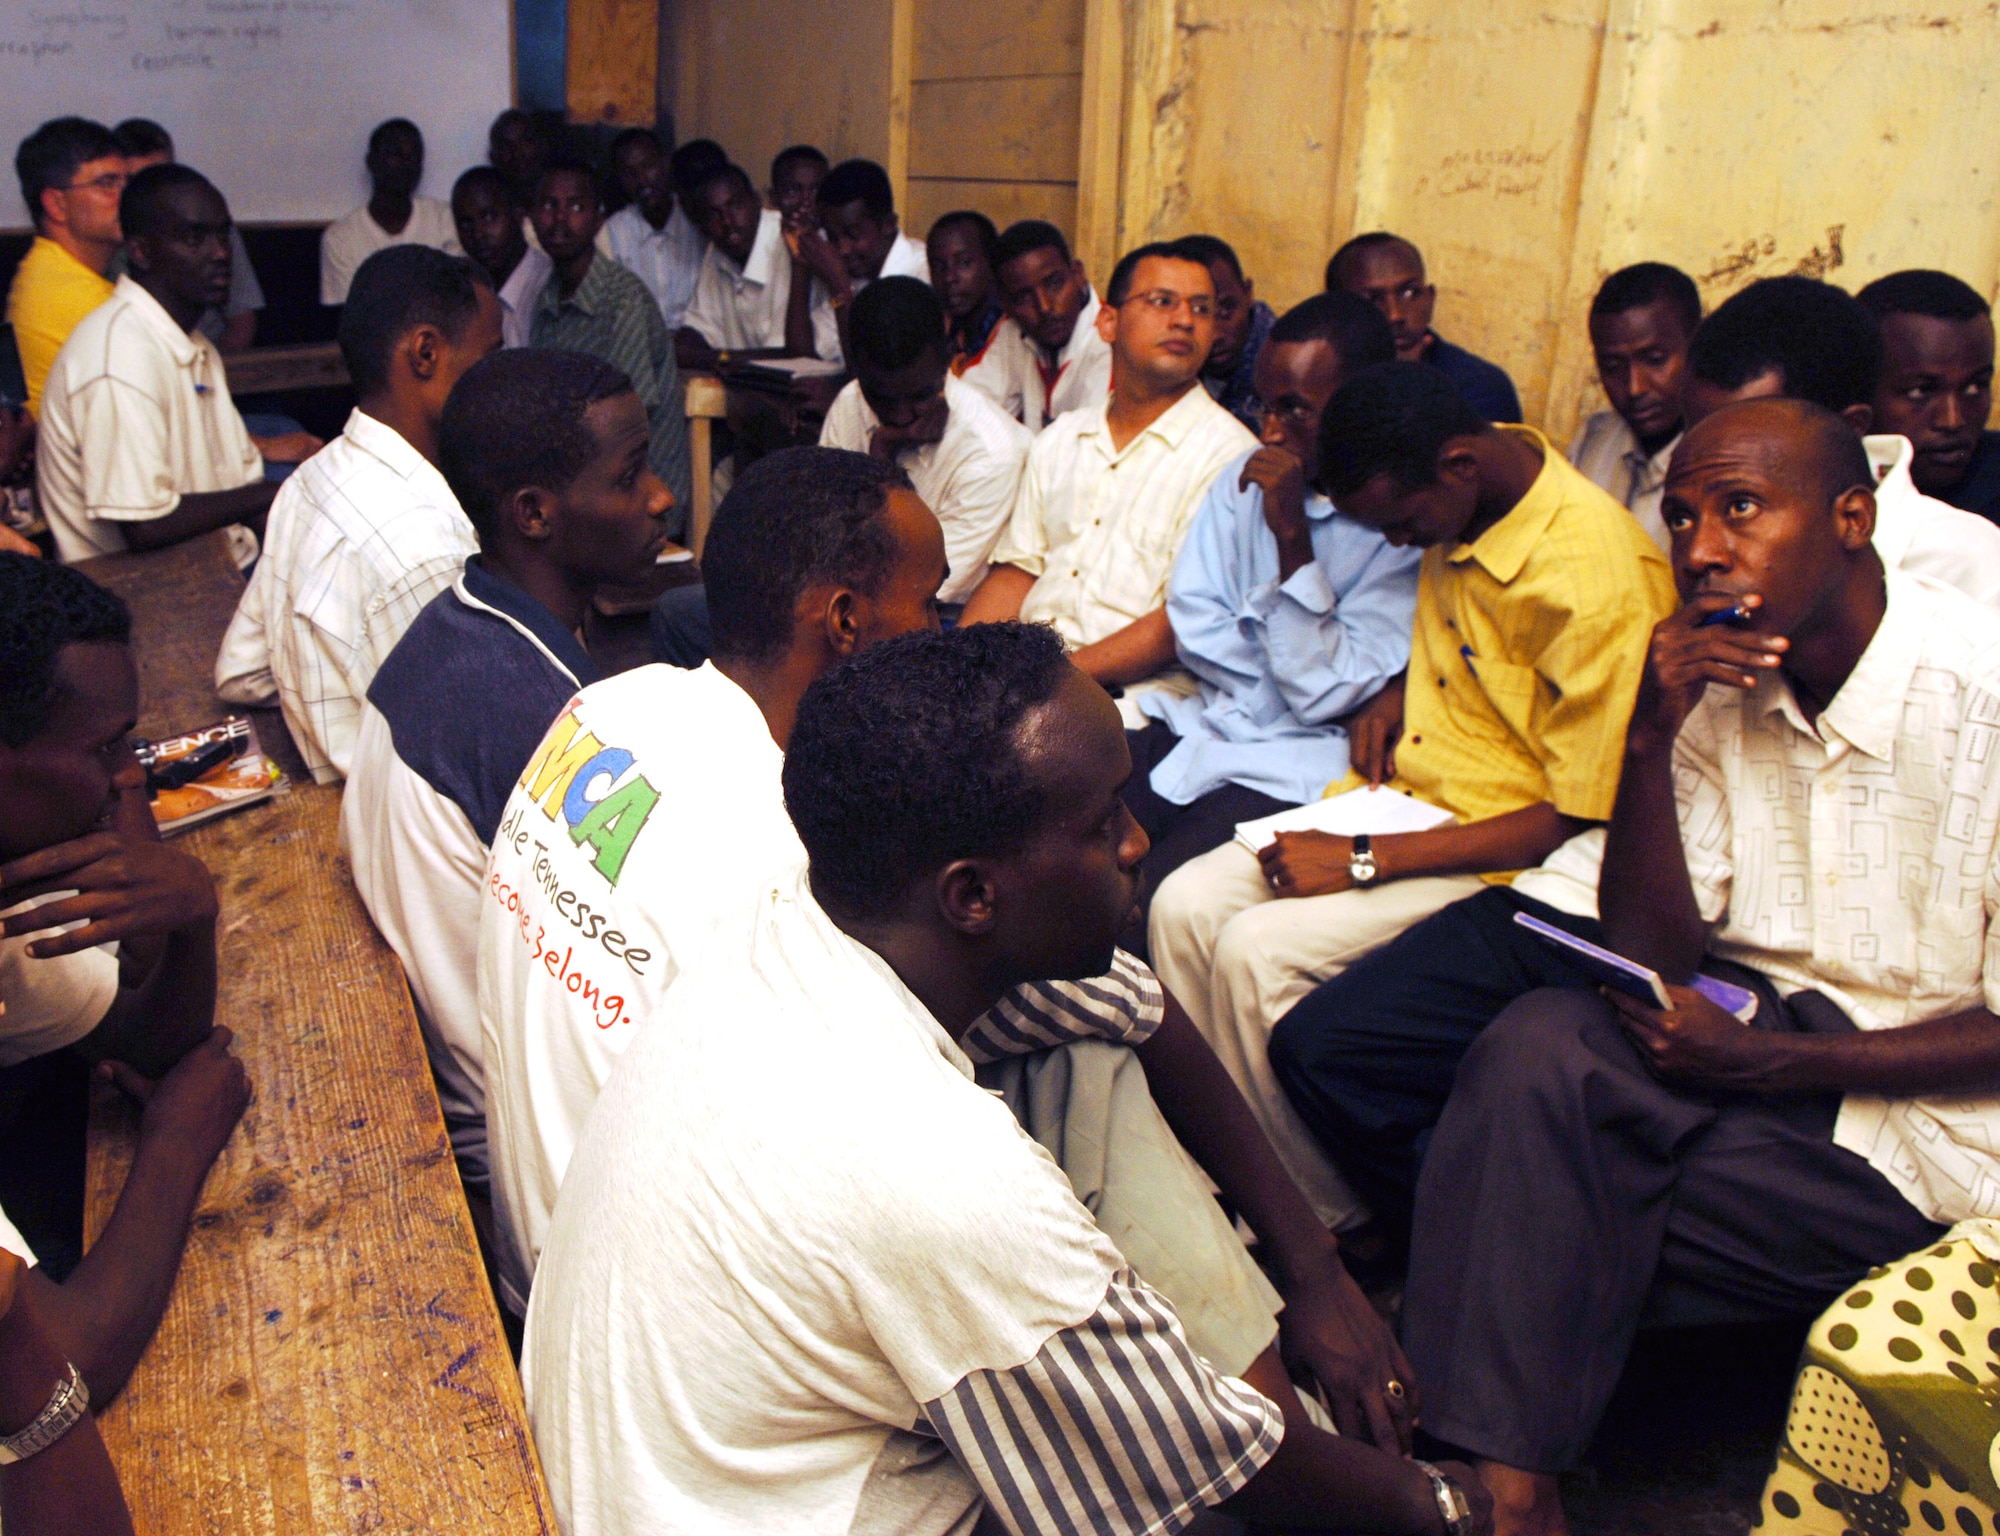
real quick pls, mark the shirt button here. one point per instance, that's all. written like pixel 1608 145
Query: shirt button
pixel 1416 741
pixel 1440 682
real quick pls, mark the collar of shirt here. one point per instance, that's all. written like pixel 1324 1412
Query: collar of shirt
pixel 1869 706
pixel 480 588
pixel 381 441
pixel 185 349
pixel 763 253
pixel 527 278
pixel 1648 472
pixel 1504 548
pixel 1890 456
pixel 1079 336
pixel 588 292
pixel 1170 427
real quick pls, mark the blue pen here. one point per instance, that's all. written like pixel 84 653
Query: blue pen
pixel 1724 616
pixel 1466 651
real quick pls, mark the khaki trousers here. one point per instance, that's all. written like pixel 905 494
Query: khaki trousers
pixel 1238 958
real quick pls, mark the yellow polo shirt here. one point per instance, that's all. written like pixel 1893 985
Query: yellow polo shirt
pixel 52 291
pixel 1527 651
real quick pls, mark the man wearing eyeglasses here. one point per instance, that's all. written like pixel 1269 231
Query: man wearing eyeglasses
pixel 1111 489
pixel 72 172
pixel 1388 272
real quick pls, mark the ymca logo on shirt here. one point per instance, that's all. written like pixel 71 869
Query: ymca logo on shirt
pixel 591 789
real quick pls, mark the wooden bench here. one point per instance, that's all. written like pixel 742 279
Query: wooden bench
pixel 332 1359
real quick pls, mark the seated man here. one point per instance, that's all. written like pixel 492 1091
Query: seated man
pixel 489 220
pixel 140 444
pixel 962 452
pixel 1534 603
pixel 108 948
pixel 1641 323
pixel 960 246
pixel 233 325
pixel 1833 743
pixel 816 554
pixel 393 214
pixel 546 454
pixel 1809 340
pixel 72 172
pixel 1289 615
pixel 652 236
pixel 1242 321
pixel 367 533
pixel 796 172
pixel 858 237
pixel 1388 272
pixel 1936 384
pixel 519 146
pixel 963 1333
pixel 591 304
pixel 1048 355
pixel 1110 490
pixel 750 298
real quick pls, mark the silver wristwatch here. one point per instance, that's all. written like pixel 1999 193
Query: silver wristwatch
pixel 70 1402
pixel 1451 1501
pixel 1361 862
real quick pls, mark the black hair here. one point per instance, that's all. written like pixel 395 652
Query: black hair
pixel 894 319
pixel 1352 326
pixel 1029 235
pixel 50 157
pixel 485 176
pixel 909 756
pixel 140 136
pixel 858 181
pixel 1820 338
pixel 708 175
pixel 635 136
pixel 1645 283
pixel 1214 249
pixel 389 128
pixel 534 122
pixel 1919 291
pixel 139 204
pixel 516 419
pixel 1367 242
pixel 1393 417
pixel 45 606
pixel 978 223
pixel 794 518
pixel 692 160
pixel 791 152
pixel 395 291
pixel 566 164
pixel 1119 288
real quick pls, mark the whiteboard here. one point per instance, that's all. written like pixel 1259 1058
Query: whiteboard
pixel 272 100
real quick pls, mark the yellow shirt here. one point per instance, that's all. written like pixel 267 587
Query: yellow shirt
pixel 52 291
pixel 1526 654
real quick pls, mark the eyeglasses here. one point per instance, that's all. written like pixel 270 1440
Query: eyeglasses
pixel 1200 305
pixel 110 181
pixel 1293 413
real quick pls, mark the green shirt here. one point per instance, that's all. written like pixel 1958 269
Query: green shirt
pixel 612 316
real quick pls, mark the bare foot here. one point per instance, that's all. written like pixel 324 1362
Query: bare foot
pixel 1524 1503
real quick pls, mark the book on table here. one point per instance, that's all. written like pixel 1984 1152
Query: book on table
pixel 202 774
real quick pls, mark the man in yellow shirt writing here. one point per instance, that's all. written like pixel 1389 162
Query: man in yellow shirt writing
pixel 72 173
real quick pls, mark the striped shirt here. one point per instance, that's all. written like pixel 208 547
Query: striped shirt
pixel 1124 1006
pixel 612 316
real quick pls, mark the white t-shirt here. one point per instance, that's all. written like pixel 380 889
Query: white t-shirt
pixel 50 1004
pixel 968 477
pixel 136 415
pixel 807 1276
pixel 1012 371
pixel 645 817
pixel 353 237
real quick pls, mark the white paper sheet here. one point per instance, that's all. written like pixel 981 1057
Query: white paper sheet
pixel 1374 811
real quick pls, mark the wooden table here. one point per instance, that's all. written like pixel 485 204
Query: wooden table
pixel 274 370
pixel 331 1359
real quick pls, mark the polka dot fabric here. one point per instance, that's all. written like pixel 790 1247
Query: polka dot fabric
pixel 1895 1420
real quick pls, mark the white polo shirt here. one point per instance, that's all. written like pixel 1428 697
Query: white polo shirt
pixel 354 237
pixel 1012 370
pixel 1100 528
pixel 740 309
pixel 969 477
pixel 136 414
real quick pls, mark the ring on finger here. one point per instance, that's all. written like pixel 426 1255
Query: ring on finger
pixel 1396 1390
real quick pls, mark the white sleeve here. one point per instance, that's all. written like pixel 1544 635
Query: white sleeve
pixel 51 1004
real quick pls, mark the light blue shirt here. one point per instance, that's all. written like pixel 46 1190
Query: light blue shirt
pixel 667 260
pixel 1278 663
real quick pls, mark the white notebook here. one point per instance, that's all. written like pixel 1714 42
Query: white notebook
pixel 1374 811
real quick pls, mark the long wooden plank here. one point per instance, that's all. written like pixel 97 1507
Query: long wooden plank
pixel 332 1359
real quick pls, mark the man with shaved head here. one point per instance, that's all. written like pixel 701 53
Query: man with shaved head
pixel 1809 809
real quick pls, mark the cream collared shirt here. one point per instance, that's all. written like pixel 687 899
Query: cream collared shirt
pixel 1034 391
pixel 969 477
pixel 739 309
pixel 1099 528
pixel 1925 536
pixel 1610 456
pixel 136 415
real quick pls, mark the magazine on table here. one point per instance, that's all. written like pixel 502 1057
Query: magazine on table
pixel 202 774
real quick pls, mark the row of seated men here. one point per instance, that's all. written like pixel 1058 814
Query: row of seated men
pixel 1382 1020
